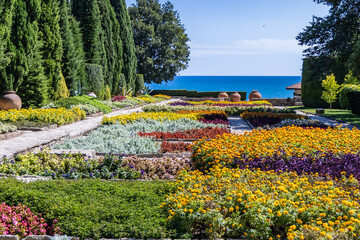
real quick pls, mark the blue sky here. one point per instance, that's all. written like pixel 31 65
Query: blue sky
pixel 245 37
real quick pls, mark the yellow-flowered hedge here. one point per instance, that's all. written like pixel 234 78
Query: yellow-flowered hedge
pixel 59 116
pixel 160 116
pixel 264 205
pixel 261 143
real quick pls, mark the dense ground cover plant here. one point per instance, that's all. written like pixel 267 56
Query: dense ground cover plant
pixel 263 205
pixel 259 119
pixel 118 98
pixel 124 138
pixel 292 141
pixel 95 208
pixel 71 101
pixel 4 128
pixel 327 164
pixel 159 116
pixel 69 166
pixel 87 108
pixel 297 122
pixel 188 134
pixel 21 221
pixel 158 168
pixel 148 99
pixel 229 110
pixel 176 147
pixel 224 103
pixel 162 96
pixel 58 116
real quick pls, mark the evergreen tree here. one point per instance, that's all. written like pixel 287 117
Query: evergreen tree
pixel 52 43
pixel 126 34
pixel 73 61
pixel 23 43
pixel 88 14
pixel 112 43
pixel 6 10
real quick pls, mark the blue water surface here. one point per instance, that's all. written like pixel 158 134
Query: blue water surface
pixel 268 86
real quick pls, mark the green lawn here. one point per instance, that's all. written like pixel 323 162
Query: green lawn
pixel 338 114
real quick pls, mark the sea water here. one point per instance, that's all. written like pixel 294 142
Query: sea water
pixel 268 86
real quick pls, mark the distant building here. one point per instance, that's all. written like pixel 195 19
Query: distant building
pixel 297 93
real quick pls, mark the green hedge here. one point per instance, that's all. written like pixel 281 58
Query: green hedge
pixel 68 102
pixel 314 71
pixel 353 95
pixel 95 208
pixel 194 94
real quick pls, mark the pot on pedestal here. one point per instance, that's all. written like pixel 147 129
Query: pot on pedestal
pixel 235 97
pixel 10 100
pixel 223 95
pixel 254 94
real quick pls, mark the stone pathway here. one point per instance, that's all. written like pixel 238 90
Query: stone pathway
pixel 238 125
pixel 30 140
pixel 327 121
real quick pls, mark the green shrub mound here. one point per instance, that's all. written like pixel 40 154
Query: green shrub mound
pixel 354 100
pixel 4 128
pixel 83 100
pixel 94 208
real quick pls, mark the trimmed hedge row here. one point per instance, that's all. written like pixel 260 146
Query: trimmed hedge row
pixel 94 208
pixel 186 93
pixel 354 101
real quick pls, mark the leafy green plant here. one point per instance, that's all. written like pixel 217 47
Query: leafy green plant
pixel 71 101
pixel 95 208
pixel 4 128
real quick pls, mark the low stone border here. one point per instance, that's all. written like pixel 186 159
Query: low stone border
pixel 26 178
pixel 34 237
pixel 8 135
pixel 37 129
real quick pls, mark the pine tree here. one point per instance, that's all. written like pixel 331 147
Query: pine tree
pixel 73 60
pixel 52 48
pixel 23 43
pixel 126 34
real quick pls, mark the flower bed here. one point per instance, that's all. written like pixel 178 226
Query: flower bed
pixel 263 205
pixel 305 123
pixel 292 141
pixel 69 166
pixel 21 221
pixel 176 147
pixel 162 96
pixel 259 119
pixel 58 116
pixel 188 134
pixel 118 98
pixel 228 103
pixel 124 138
pixel 161 116
pixel 164 168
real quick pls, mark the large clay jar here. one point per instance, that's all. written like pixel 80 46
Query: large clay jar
pixel 254 94
pixel 223 95
pixel 10 100
pixel 235 97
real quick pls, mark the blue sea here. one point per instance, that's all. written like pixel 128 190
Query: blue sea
pixel 268 86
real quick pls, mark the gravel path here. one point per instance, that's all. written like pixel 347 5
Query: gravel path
pixel 30 140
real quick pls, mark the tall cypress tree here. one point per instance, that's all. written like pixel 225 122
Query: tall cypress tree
pixel 73 61
pixel 22 43
pixel 52 50
pixel 6 10
pixel 88 14
pixel 126 34
pixel 112 43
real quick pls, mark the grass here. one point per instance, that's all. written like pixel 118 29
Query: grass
pixel 337 114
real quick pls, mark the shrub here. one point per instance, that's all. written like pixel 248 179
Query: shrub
pixel 68 102
pixel 89 109
pixel 94 208
pixel 139 83
pixel 107 93
pixel 162 96
pixel 62 90
pixel 118 98
pixel 95 78
pixel 19 220
pixel 259 119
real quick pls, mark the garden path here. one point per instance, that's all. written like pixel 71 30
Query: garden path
pixel 29 139
pixel 327 121
pixel 238 125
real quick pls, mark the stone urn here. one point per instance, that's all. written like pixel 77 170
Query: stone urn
pixel 235 97
pixel 223 95
pixel 254 94
pixel 10 100
pixel 91 94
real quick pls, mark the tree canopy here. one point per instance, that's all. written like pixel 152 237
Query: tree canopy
pixel 161 42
